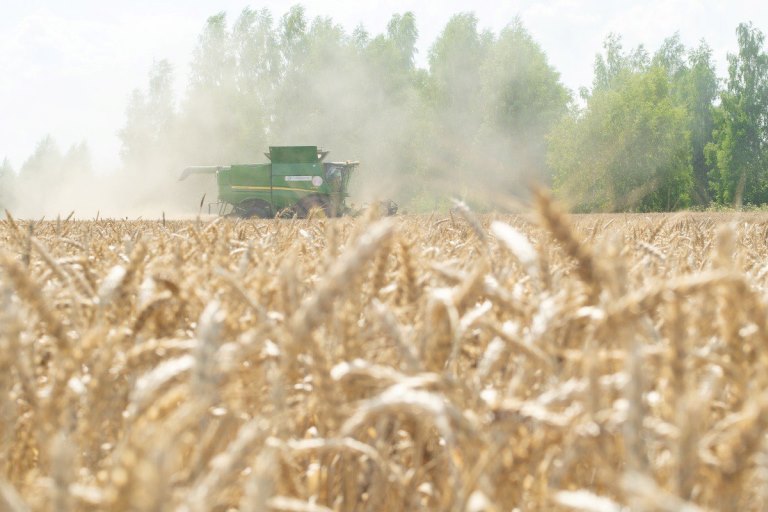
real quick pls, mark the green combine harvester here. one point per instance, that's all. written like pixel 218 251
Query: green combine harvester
pixel 295 182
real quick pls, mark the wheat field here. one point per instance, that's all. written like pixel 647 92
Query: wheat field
pixel 454 362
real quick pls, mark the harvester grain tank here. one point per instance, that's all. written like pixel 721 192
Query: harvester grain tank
pixel 295 181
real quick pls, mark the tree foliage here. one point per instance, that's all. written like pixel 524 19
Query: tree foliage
pixel 49 177
pixel 485 102
pixel 740 147
pixel 523 99
pixel 698 90
pixel 149 118
pixel 486 117
pixel 639 141
pixel 492 98
pixel 628 149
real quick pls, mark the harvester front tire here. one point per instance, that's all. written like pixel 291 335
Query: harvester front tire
pixel 255 208
pixel 309 203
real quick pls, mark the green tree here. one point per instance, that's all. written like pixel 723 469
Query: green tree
pixel 700 89
pixel 403 34
pixel 694 86
pixel 612 66
pixel 77 162
pixel 235 80
pixel 257 74
pixel 522 99
pixel 671 56
pixel 211 130
pixel 493 100
pixel 293 37
pixel 40 179
pixel 390 57
pixel 49 179
pixel 454 104
pixel 150 117
pixel 44 163
pixel 740 147
pixel 455 62
pixel 213 63
pixel 629 147
pixel 389 129
pixel 318 87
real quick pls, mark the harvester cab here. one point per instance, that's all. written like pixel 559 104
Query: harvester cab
pixel 294 182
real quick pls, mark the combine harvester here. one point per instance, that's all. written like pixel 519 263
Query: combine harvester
pixel 295 182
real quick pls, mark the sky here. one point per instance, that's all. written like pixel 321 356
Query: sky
pixel 67 67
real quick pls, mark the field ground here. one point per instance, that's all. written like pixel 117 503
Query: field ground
pixel 460 362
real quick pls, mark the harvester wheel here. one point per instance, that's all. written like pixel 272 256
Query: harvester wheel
pixel 254 208
pixel 309 203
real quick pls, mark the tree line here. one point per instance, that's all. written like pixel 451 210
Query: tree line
pixel 487 116
pixel 662 132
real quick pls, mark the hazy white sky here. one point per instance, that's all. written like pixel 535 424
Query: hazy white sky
pixel 68 66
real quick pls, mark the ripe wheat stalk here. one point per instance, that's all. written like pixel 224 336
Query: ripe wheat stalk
pixel 464 363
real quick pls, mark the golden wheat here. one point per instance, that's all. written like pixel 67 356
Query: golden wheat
pixel 463 363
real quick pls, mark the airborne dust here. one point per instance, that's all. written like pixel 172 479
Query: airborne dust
pixel 471 124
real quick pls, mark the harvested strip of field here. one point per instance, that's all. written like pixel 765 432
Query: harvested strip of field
pixel 459 362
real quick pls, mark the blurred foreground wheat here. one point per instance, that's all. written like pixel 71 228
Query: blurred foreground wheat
pixel 461 362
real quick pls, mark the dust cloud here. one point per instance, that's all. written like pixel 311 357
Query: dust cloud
pixel 472 125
